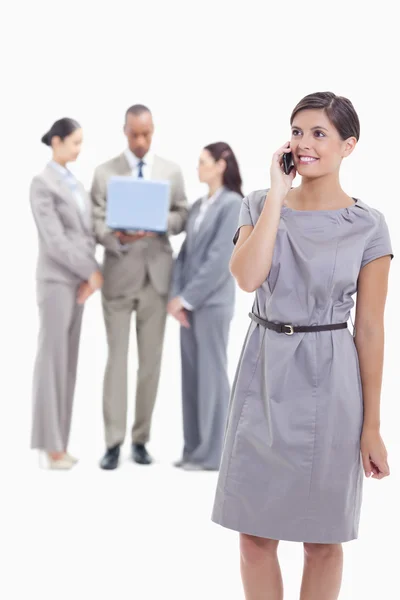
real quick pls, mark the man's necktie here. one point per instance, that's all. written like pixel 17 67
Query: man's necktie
pixel 140 167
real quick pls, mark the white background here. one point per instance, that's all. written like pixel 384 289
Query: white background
pixel 209 71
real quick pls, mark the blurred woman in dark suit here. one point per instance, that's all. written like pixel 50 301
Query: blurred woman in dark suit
pixel 67 274
pixel 203 297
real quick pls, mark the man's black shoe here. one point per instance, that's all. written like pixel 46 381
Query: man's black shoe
pixel 111 459
pixel 140 454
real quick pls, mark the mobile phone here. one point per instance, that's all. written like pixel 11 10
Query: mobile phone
pixel 287 160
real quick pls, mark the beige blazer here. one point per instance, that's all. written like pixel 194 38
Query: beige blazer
pixel 66 240
pixel 125 270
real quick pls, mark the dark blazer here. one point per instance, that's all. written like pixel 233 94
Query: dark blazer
pixel 201 271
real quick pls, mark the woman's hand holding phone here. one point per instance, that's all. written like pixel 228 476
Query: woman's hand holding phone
pixel 281 182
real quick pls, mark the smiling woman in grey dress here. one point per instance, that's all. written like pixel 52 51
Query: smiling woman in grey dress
pixel 306 394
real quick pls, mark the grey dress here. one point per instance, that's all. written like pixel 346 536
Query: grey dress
pixel 291 466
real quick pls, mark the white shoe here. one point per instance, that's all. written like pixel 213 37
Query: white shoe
pixel 71 458
pixel 59 464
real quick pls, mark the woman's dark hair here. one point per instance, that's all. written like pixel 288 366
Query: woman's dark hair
pixel 231 178
pixel 338 109
pixel 62 129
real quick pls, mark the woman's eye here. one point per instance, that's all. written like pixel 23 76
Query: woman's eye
pixel 319 133
pixel 295 132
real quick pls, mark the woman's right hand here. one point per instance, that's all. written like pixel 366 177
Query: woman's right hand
pixel 280 182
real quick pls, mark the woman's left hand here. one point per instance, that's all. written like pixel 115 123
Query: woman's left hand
pixel 84 292
pixel 374 454
pixel 176 309
pixel 174 306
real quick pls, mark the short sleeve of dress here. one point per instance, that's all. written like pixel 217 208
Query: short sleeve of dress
pixel 244 217
pixel 379 244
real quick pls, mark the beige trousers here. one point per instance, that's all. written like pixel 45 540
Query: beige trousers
pixel 150 308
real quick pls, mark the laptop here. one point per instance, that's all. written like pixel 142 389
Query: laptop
pixel 137 204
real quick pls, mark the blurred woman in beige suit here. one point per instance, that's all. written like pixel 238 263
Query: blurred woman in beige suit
pixel 67 274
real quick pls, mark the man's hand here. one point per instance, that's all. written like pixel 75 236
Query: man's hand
pixel 126 238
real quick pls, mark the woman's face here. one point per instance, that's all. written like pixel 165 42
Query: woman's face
pixel 209 169
pixel 316 144
pixel 69 148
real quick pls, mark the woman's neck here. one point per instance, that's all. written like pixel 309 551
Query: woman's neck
pixel 214 187
pixel 59 161
pixel 320 194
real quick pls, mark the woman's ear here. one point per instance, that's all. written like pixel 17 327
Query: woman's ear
pixel 349 146
pixel 222 165
pixel 56 141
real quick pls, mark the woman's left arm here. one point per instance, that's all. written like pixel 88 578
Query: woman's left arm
pixel 369 326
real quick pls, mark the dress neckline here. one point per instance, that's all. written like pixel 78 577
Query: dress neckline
pixel 356 204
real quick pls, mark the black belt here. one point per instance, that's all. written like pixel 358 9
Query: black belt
pixel 291 329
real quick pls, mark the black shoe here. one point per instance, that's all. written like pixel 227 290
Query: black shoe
pixel 140 454
pixel 110 459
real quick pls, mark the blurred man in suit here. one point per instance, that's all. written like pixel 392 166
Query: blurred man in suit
pixel 137 274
